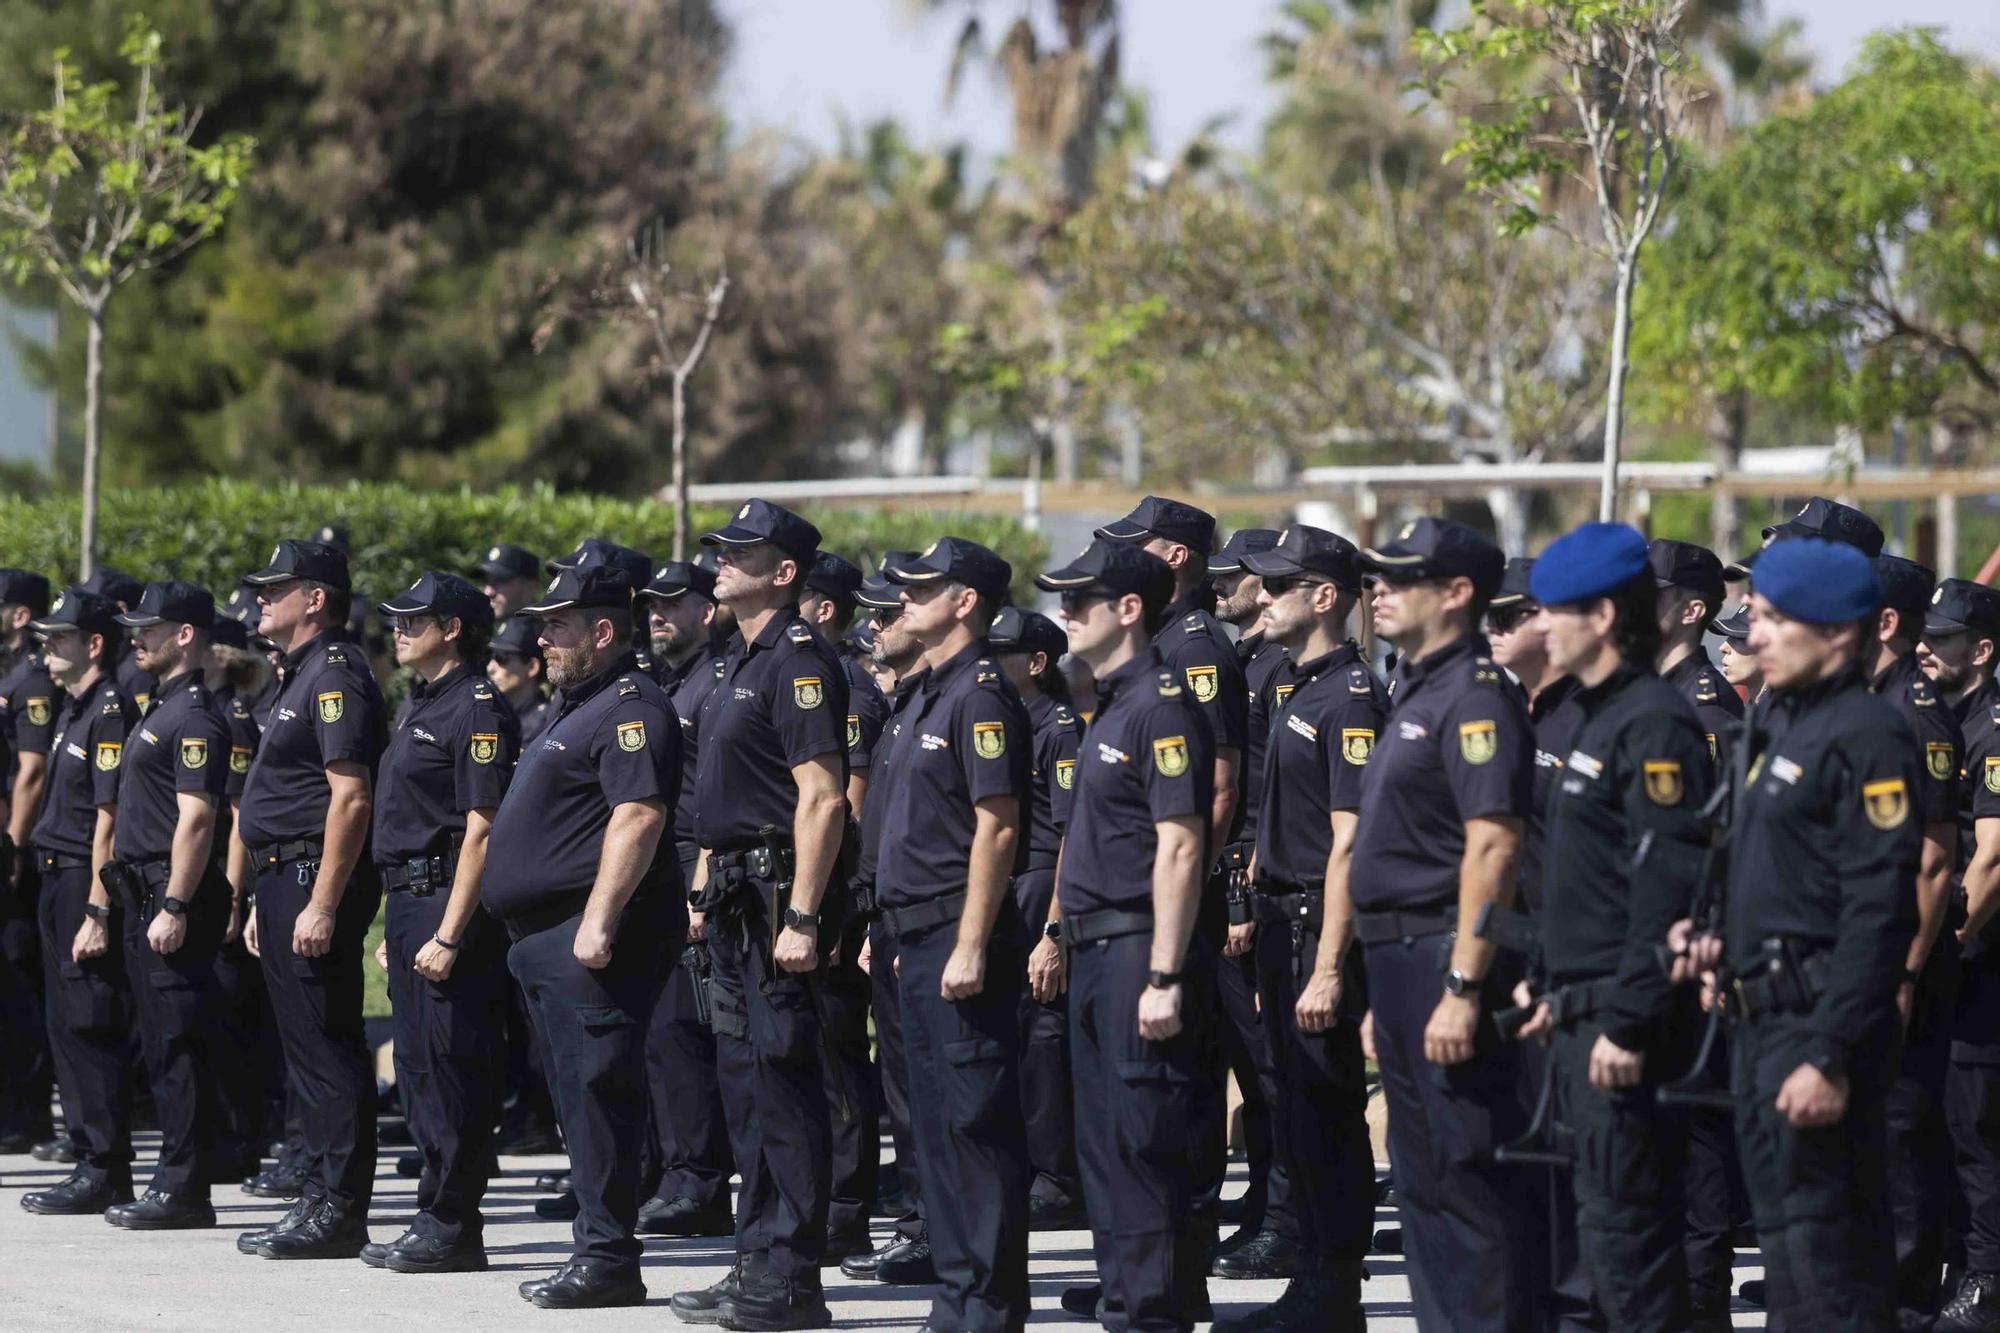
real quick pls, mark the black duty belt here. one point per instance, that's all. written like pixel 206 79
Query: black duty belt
pixel 922 916
pixel 1111 924
pixel 420 876
pixel 548 916
pixel 62 861
pixel 1578 1000
pixel 1786 980
pixel 1299 907
pixel 284 853
pixel 1382 927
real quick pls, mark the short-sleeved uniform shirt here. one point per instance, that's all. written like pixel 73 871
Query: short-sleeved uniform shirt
pixel 265 701
pixel 867 709
pixel 1978 714
pixel 180 745
pixel 1638 773
pixel 328 711
pixel 1824 851
pixel 1557 717
pixel 533 719
pixel 1057 734
pixel 614 740
pixel 1194 644
pixel 29 702
pixel 452 750
pixel 690 695
pixel 1322 737
pixel 967 740
pixel 1457 746
pixel 1147 756
pixel 1265 667
pixel 1717 705
pixel 883 776
pixel 138 685
pixel 244 735
pixel 1940 743
pixel 782 702
pixel 88 751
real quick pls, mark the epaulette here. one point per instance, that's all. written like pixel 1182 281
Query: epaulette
pixel 1704 688
pixel 336 654
pixel 200 692
pixel 627 687
pixel 987 675
pixel 110 707
pixel 1192 623
pixel 1168 688
pixel 1996 715
pixel 1358 682
pixel 238 708
pixel 799 633
pixel 1065 717
pixel 721 667
pixel 1485 671
pixel 482 690
pixel 1922 693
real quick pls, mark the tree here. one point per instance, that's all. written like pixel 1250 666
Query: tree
pixel 99 187
pixel 1603 100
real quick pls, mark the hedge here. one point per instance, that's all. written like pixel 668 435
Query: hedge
pixel 214 532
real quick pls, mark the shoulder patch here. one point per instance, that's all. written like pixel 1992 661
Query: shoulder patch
pixel 632 736
pixel 808 692
pixel 1939 760
pixel 1886 803
pixel 1664 785
pixel 1170 756
pixel 1479 741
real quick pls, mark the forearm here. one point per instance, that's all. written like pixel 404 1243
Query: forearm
pixel 1933 892
pixel 346 832
pixel 239 855
pixel 630 842
pixel 988 877
pixel 1982 888
pixel 1222 808
pixel 1336 932
pixel 816 829
pixel 1485 875
pixel 27 799
pixel 1177 875
pixel 464 900
pixel 100 852
pixel 194 833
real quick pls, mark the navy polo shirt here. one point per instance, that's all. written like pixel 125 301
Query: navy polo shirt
pixel 782 701
pixel 690 696
pixel 1457 746
pixel 138 685
pixel 453 750
pixel 86 754
pixel 614 740
pixel 1556 715
pixel 1193 643
pixel 1057 733
pixel 1978 715
pixel 1940 741
pixel 29 701
pixel 1717 705
pixel 1147 756
pixel 867 709
pixel 1322 737
pixel 1265 667
pixel 244 734
pixel 328 711
pixel 966 739
pixel 882 777
pixel 181 745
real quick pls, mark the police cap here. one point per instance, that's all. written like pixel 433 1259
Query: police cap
pixel 1959 605
pixel 761 521
pixel 1906 589
pixel 116 584
pixel 1304 550
pixel 518 635
pixel 1818 581
pixel 1686 565
pixel 1735 627
pixel 444 595
pixel 507 561
pixel 1833 521
pixel 1594 561
pixel 1115 567
pixel 90 612
pixel 21 587
pixel 182 603
pixel 589 588
pixel 595 552
pixel 336 536
pixel 226 631
pixel 1019 630
pixel 879 593
pixel 835 577
pixel 1242 542
pixel 1514 582
pixel 677 578
pixel 1157 516
pixel 303 560
pixel 956 560
pixel 1438 548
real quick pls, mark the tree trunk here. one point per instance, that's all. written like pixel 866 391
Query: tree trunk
pixel 1614 406
pixel 682 518
pixel 1728 424
pixel 93 431
pixel 1510 518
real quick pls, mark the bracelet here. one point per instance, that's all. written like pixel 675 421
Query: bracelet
pixel 444 944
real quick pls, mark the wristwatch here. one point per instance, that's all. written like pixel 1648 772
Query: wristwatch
pixel 1457 983
pixel 172 906
pixel 97 913
pixel 1052 930
pixel 444 943
pixel 1159 980
pixel 798 920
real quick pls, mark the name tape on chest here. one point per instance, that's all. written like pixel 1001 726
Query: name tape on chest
pixel 1304 728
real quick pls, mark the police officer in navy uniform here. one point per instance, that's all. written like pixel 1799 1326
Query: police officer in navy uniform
pixel 28 717
pixel 954 818
pixel 1028 646
pixel 451 755
pixel 1324 730
pixel 1519 641
pixel 515 667
pixel 1444 800
pixel 1135 859
pixel 304 818
pixel 580 868
pixel 123 589
pixel 510 577
pixel 772 811
pixel 173 900
pixel 1624 856
pixel 1961 630
pixel 1824 849
pixel 89 997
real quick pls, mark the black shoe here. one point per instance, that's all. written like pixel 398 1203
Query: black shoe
pixel 375 1254
pixel 248 1241
pixel 553 1182
pixel 843 1246
pixel 1045 1215
pixel 1084 1302
pixel 1229 1212
pixel 158 1211
pixel 527 1141
pixel 704 1305
pixel 79 1196
pixel 1385 1191
pixel 562 1208
pixel 682 1216
pixel 276 1183
pixel 1387 1240
pixel 1752 1292
pixel 1974 1307
pixel 908 1264
pixel 410 1165
pixel 422 1254
pixel 53 1150
pixel 865 1267
pixel 1309 1305
pixel 19 1142
pixel 326 1233
pixel 583 1284
pixel 1264 1255
pixel 772 1303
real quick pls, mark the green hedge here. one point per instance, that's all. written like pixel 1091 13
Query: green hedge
pixel 214 532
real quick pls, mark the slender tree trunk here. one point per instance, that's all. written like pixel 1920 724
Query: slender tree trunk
pixel 93 431
pixel 682 517
pixel 1728 424
pixel 1614 406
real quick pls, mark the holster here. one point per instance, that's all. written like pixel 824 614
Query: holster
pixel 1236 883
pixel 701 975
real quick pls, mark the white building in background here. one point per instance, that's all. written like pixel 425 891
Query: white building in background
pixel 24 409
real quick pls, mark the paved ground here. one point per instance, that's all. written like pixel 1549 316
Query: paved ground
pixel 63 1273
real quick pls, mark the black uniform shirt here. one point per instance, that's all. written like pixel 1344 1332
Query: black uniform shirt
pixel 453 750
pixel 1265 668
pixel 88 750
pixel 328 711
pixel 180 745
pixel 138 685
pixel 1824 851
pixel 533 720
pixel 28 706
pixel 782 701
pixel 1639 767
pixel 1457 746
pixel 244 735
pixel 265 702
pixel 867 708
pixel 1194 645
pixel 881 779
pixel 1941 745
pixel 1978 715
pixel 1147 756
pixel 1057 732
pixel 1557 717
pixel 1322 737
pixel 1717 705
pixel 613 740
pixel 967 740
pixel 689 697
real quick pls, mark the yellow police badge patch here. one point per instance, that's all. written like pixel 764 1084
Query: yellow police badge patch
pixel 1887 802
pixel 1170 755
pixel 108 753
pixel 1066 774
pixel 853 730
pixel 808 691
pixel 332 706
pixel 239 759
pixel 194 752
pixel 989 739
pixel 632 736
pixel 1664 785
pixel 485 747
pixel 1478 742
pixel 1939 760
pixel 1356 744
pixel 1201 679
pixel 1993 773
pixel 39 712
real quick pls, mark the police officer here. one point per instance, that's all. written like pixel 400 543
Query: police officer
pixel 1028 645
pixel 1519 640
pixel 1135 858
pixel 1323 732
pixel 174 901
pixel 515 667
pixel 954 818
pixel 449 760
pixel 510 578
pixel 1439 837
pixel 28 719
pixel 1961 629
pixel 89 999
pixel 580 868
pixel 1821 909
pixel 690 1137
pixel 304 817
pixel 1736 662
pixel 124 590
pixel 772 811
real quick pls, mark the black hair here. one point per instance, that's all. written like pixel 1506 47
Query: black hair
pixel 1050 680
pixel 1635 626
pixel 475 642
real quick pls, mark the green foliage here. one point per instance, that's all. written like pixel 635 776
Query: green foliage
pixel 214 533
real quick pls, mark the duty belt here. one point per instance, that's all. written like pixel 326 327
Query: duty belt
pixel 1382 927
pixel 922 916
pixel 276 854
pixel 1305 907
pixel 1577 1001
pixel 1785 979
pixel 420 876
pixel 61 860
pixel 1110 924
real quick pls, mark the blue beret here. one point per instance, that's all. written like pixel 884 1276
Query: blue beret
pixel 1596 559
pixel 1817 581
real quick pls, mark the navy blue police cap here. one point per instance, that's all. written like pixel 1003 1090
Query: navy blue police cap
pixel 879 593
pixel 226 631
pixel 508 561
pixel 518 635
pixel 1906 589
pixel 835 577
pixel 182 603
pixel 761 521
pixel 956 560
pixel 1594 561
pixel 23 587
pixel 1688 566
pixel 1959 605
pixel 90 612
pixel 447 595
pixel 1019 630
pixel 116 584
pixel 1115 567
pixel 1438 548
pixel 1157 516
pixel 1307 550
pixel 593 587
pixel 1818 581
pixel 336 536
pixel 1736 627
pixel 678 578
pixel 1242 542
pixel 1829 519
pixel 1514 583
pixel 303 560
pixel 597 552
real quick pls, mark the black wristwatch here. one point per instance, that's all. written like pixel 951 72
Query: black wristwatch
pixel 172 906
pixel 1457 983
pixel 798 920
pixel 1052 930
pixel 97 913
pixel 1159 980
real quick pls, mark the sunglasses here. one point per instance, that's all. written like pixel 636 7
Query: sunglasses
pixel 1073 602
pixel 885 614
pixel 1508 620
pixel 1279 584
pixel 410 626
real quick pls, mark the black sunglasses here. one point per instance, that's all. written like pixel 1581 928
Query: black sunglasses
pixel 1280 584
pixel 1508 619
pixel 885 614
pixel 1073 602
